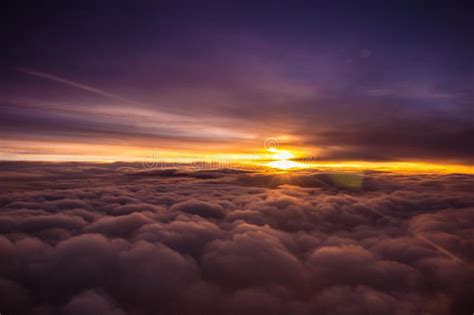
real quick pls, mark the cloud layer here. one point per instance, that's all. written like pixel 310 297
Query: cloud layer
pixel 108 239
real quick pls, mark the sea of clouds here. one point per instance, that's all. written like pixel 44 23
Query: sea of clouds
pixel 116 239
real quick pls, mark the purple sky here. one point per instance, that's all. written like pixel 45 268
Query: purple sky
pixel 350 81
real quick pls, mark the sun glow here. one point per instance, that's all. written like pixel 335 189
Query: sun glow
pixel 282 159
pixel 283 155
pixel 286 165
pixel 273 158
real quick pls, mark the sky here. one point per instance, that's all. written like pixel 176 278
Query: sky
pixel 341 81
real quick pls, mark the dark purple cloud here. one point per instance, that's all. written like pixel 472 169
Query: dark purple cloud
pixel 201 208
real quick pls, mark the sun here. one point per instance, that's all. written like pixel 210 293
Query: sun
pixel 282 159
pixel 283 155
